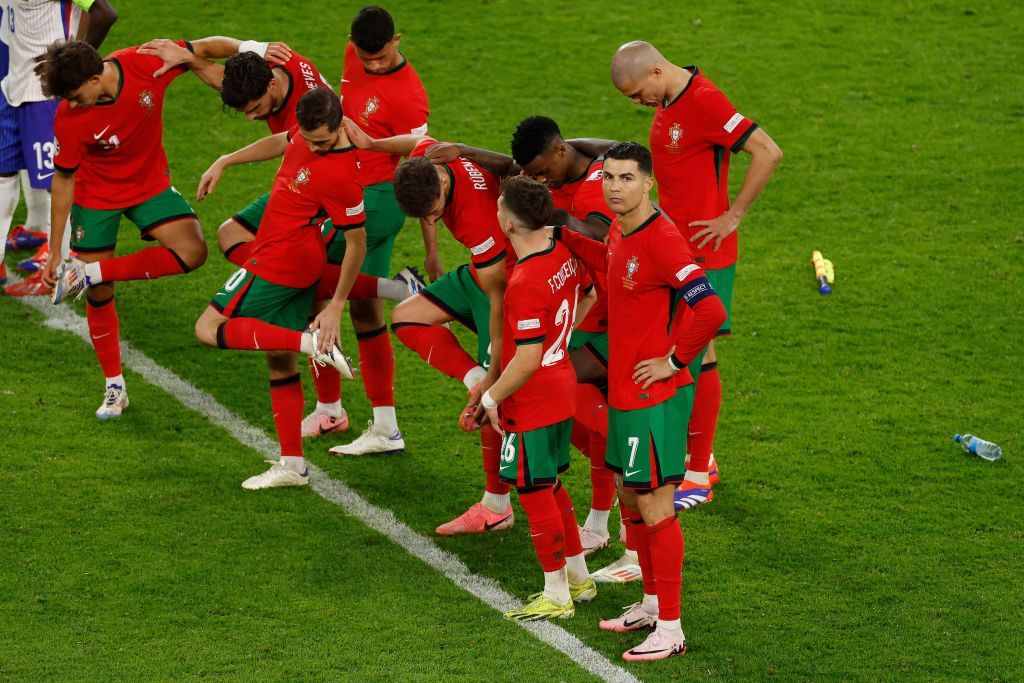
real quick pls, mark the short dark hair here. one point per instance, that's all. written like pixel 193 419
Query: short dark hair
pixel 532 138
pixel 417 186
pixel 319 107
pixel 246 77
pixel 66 66
pixel 632 151
pixel 527 200
pixel 372 29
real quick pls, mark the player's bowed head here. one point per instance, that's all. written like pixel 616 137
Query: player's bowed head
pixel 643 75
pixel 524 206
pixel 319 116
pixel 74 71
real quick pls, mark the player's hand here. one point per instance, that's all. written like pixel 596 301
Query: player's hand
pixel 277 53
pixel 356 135
pixel 653 370
pixel 168 51
pixel 209 180
pixel 49 274
pixel 716 229
pixel 432 266
pixel 492 417
pixel 442 152
pixel 328 321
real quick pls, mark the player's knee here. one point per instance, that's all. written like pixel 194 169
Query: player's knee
pixel 709 354
pixel 282 364
pixel 206 331
pixel 231 233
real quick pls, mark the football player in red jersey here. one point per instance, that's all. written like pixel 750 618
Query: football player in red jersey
pixel 382 93
pixel 533 398
pixel 265 305
pixel 463 196
pixel 650 390
pixel 694 130
pixel 109 161
pixel 264 81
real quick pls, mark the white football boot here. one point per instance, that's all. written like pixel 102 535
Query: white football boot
pixel 277 475
pixel 372 442
pixel 115 400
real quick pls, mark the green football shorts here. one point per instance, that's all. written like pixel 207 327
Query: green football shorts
pixel 647 446
pixel 536 457
pixel 457 294
pixel 94 230
pixel 246 295
pixel 594 342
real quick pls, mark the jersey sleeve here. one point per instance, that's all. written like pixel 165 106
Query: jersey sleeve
pixel 67 152
pixel 421 147
pixel 144 66
pixel 344 204
pixel 526 306
pixel 410 115
pixel 589 203
pixel 483 237
pixel 720 122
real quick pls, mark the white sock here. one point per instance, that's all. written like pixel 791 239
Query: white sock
pixel 496 502
pixel 576 568
pixel 38 204
pixel 385 421
pixel 631 556
pixel 556 586
pixel 93 272
pixel 699 478
pixel 306 345
pixel 474 376
pixel 332 409
pixel 650 603
pixel 392 290
pixel 597 521
pixel 674 626
pixel 295 463
pixel 119 381
pixel 9 191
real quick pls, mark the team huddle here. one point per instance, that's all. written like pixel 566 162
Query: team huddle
pixel 595 309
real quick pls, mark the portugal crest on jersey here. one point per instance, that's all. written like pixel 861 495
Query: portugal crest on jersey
pixel 146 99
pixel 632 265
pixel 300 179
pixel 675 135
pixel 371 107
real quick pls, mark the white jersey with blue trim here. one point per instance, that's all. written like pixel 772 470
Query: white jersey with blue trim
pixel 30 27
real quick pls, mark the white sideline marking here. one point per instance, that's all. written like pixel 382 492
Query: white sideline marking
pixel 339 493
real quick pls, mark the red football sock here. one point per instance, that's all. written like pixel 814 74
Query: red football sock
pixel 438 346
pixel 148 264
pixel 546 528
pixel 287 403
pixel 365 287
pixel 377 365
pixel 105 332
pixel 250 334
pixel 327 381
pixel 239 253
pixel 602 479
pixel 706 402
pixel 563 500
pixel 637 532
pixel 490 447
pixel 667 547
pixel 591 409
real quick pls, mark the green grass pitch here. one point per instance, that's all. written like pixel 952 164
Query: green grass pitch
pixel 849 538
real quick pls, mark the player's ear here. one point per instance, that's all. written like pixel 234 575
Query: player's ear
pixel 396 39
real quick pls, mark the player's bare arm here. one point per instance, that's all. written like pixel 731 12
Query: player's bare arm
pixel 198 60
pixel 266 148
pixel 593 228
pixel 62 193
pixel 97 22
pixel 765 156
pixel 492 280
pixel 432 259
pixel 328 321
pixel 401 145
pixel 592 147
pixel 522 366
pixel 497 163
pixel 583 306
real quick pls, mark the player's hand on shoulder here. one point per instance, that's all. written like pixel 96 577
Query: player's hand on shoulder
pixel 442 152
pixel 356 135
pixel 167 51
pixel 277 53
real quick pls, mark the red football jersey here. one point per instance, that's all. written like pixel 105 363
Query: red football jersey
pixel 387 104
pixel 471 211
pixel 302 77
pixel 540 305
pixel 690 141
pixel 644 268
pixel 116 147
pixel 583 198
pixel 308 188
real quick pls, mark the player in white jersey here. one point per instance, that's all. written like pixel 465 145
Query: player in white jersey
pixel 26 114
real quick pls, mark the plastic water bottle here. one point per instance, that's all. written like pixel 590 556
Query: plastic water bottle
pixel 979 447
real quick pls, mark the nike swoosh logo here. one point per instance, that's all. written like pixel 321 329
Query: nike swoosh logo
pixel 488 527
pixel 325 431
pixel 652 652
pixel 255 343
pixel 100 134
pixel 629 624
pixel 536 535
pixel 100 336
pixel 630 474
pixel 40 176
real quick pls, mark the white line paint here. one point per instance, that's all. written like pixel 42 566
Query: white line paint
pixel 339 493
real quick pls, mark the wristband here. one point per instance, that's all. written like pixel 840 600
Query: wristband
pixel 676 363
pixel 487 402
pixel 253 46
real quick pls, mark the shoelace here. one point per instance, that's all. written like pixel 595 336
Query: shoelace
pixel 110 398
